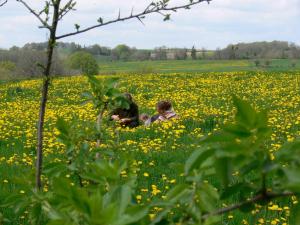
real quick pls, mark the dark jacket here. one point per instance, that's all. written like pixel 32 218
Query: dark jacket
pixel 132 114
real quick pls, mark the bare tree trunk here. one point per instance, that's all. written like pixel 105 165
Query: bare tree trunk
pixel 46 83
pixel 99 123
pixel 99 120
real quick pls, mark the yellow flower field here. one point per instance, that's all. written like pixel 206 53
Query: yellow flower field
pixel 203 102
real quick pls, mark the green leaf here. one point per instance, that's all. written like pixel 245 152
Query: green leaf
pixel 261 119
pixel 121 102
pixel 212 220
pixel 288 151
pixel 112 92
pixel 246 114
pixel 252 165
pixel 177 192
pixel 96 204
pixel 100 171
pixel 205 202
pixel 107 216
pixel 36 213
pixel 211 191
pixel 197 158
pixel 59 222
pixel 54 169
pixel 247 208
pixel 61 186
pixel 219 136
pixel 112 82
pixel 77 26
pixel 100 20
pixel 223 170
pixel 124 198
pixel 135 214
pixel 231 190
pixel 167 17
pixel 238 130
pixel 293 179
pixel 231 150
pixel 63 127
pixel 295 215
pixel 4 220
pixel 159 218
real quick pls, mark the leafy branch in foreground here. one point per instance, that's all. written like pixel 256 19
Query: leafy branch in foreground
pixel 104 96
pixel 235 159
pixel 238 157
pixel 49 17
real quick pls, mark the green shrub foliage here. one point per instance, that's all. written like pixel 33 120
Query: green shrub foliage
pixel 85 62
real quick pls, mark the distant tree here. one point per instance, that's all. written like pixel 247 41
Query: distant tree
pixel 141 55
pixel 194 53
pixel 180 54
pixel 7 70
pixel 8 65
pixel 106 51
pixel 295 51
pixel 85 62
pixel 257 62
pixel 94 49
pixel 203 53
pixel 267 63
pixel 160 53
pixel 233 52
pixel 269 50
pixel 28 60
pixel 218 54
pixel 121 52
pixel 247 55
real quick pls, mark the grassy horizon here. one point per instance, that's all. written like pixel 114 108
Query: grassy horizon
pixel 195 66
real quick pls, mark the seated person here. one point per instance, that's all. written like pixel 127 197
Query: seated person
pixel 127 117
pixel 146 119
pixel 165 111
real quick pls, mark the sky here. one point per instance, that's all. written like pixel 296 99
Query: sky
pixel 205 25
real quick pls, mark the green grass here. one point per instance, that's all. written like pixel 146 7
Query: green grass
pixel 205 94
pixel 190 66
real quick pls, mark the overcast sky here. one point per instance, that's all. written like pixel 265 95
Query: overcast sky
pixel 206 25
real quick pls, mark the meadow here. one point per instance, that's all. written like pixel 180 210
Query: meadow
pixel 193 66
pixel 203 101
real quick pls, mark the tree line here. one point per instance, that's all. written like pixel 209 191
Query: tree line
pixel 24 61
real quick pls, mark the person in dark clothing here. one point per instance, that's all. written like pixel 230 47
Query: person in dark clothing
pixel 127 117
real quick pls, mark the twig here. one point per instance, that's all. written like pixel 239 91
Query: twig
pixel 69 6
pixel 45 24
pixel 3 3
pixel 137 16
pixel 260 197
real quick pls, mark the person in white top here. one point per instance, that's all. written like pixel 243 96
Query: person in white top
pixel 165 111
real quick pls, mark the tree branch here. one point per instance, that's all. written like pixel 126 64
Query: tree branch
pixel 45 24
pixel 260 197
pixel 69 6
pixel 3 3
pixel 155 9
